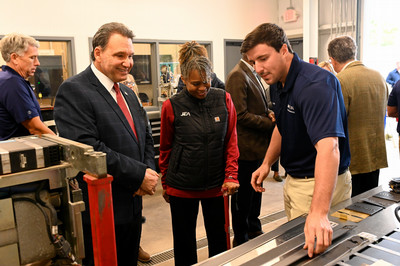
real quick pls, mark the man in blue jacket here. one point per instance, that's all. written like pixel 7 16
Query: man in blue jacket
pixel 394 75
pixel 19 109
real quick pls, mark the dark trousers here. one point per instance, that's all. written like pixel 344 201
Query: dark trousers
pixel 184 213
pixel 364 182
pixel 127 239
pixel 275 166
pixel 246 203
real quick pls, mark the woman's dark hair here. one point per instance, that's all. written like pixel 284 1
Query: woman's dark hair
pixel 190 50
pixel 199 63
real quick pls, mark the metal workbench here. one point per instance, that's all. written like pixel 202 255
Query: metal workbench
pixel 376 237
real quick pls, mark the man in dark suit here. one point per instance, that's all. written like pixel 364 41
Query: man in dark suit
pixel 93 108
pixel 254 126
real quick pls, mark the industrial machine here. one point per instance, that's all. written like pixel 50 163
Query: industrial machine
pixel 365 231
pixel 40 201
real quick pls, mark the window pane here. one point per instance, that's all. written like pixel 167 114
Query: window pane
pixel 55 67
pixel 169 69
pixel 380 36
pixel 141 71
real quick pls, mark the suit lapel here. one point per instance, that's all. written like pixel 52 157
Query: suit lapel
pixel 112 103
pixel 256 83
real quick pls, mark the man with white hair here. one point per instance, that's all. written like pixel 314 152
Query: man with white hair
pixel 19 109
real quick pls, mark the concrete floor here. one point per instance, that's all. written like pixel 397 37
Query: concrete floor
pixel 157 231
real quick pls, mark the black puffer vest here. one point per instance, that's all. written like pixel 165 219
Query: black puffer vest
pixel 197 159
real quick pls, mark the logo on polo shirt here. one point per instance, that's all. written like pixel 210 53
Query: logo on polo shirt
pixel 290 109
pixel 185 114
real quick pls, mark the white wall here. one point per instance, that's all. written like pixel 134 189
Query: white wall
pixel 343 19
pixel 207 20
pixel 344 14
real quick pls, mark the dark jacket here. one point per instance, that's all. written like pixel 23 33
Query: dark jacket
pixel 197 159
pixel 254 128
pixel 86 112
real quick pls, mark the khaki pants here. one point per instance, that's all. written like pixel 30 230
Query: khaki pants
pixel 298 193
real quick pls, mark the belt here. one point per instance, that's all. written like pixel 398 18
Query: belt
pixel 307 177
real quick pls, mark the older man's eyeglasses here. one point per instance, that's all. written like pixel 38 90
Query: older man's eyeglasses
pixel 128 83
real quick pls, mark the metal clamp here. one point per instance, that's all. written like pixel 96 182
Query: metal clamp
pixel 81 156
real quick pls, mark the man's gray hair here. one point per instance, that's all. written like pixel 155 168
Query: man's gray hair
pixel 199 63
pixel 16 43
pixel 342 49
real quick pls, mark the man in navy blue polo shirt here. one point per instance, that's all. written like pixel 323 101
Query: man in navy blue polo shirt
pixel 19 110
pixel 311 133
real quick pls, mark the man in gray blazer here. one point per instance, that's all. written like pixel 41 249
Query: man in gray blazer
pixel 254 127
pixel 94 108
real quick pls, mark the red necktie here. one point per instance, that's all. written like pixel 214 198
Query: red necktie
pixel 124 108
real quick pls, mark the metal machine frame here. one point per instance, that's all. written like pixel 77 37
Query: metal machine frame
pixel 77 157
pixel 283 246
